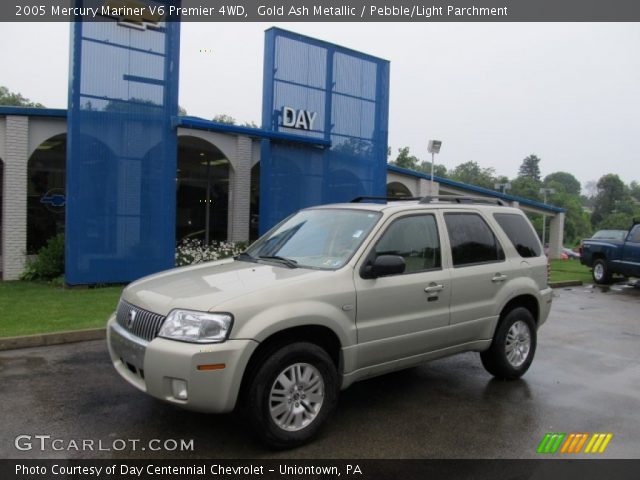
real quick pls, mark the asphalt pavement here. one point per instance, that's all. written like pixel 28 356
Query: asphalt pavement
pixel 585 378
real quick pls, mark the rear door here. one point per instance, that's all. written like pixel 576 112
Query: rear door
pixel 403 315
pixel 479 273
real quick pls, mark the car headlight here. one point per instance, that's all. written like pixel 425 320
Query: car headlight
pixel 196 327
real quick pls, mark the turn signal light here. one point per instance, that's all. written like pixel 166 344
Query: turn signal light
pixel 214 366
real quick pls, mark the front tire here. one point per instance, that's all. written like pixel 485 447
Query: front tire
pixel 292 395
pixel 513 346
pixel 601 274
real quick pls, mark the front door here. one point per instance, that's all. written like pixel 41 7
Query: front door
pixel 407 314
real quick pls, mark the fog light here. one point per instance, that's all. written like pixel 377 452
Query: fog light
pixel 179 388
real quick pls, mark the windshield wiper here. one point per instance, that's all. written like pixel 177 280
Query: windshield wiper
pixel 245 256
pixel 287 261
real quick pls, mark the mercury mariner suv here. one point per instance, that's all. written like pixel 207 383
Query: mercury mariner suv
pixel 332 295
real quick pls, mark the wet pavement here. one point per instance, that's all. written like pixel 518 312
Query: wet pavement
pixel 585 378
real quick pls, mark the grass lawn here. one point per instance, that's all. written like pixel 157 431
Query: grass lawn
pixel 31 307
pixel 572 269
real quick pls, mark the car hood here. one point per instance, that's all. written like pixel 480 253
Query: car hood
pixel 203 287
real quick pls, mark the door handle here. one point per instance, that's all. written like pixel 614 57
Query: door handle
pixel 434 288
pixel 499 277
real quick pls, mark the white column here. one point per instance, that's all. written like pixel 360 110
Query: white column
pixel 240 191
pixel 556 235
pixel 14 204
pixel 424 188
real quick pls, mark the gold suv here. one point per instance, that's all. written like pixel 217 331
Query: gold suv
pixel 332 295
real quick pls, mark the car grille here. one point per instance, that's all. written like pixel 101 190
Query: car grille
pixel 144 324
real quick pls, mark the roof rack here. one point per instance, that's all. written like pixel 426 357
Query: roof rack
pixel 386 199
pixel 461 199
pixel 432 198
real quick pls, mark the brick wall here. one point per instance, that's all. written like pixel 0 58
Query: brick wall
pixel 14 205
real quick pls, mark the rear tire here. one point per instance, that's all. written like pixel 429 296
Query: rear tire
pixel 601 274
pixel 513 346
pixel 292 395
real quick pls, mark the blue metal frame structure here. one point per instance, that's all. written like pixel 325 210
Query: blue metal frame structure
pixel 348 91
pixel 121 151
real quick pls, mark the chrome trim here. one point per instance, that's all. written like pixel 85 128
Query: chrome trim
pixel 138 322
pixel 129 336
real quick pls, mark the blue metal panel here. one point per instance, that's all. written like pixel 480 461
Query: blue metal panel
pixel 122 148
pixel 349 93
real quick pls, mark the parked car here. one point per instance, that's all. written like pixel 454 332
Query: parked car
pixel 332 295
pixel 570 253
pixel 607 256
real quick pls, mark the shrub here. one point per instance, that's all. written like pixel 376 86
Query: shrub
pixel 48 262
pixel 192 251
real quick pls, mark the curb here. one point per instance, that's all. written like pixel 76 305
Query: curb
pixel 58 338
pixel 568 283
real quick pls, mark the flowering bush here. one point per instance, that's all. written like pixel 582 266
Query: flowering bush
pixel 192 251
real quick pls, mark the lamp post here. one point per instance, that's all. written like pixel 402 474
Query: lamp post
pixel 545 192
pixel 433 148
pixel 503 187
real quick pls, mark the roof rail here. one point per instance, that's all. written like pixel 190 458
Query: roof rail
pixel 461 199
pixel 386 199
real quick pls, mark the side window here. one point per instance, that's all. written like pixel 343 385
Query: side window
pixel 414 238
pixel 520 233
pixel 635 234
pixel 472 241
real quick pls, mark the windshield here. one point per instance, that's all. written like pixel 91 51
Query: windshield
pixel 613 234
pixel 319 238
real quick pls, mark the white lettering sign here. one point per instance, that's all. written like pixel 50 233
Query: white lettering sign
pixel 301 119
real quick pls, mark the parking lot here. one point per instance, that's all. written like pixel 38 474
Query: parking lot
pixel 585 378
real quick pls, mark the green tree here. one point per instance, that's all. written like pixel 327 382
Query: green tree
pixel 611 195
pixel 224 118
pixel 526 187
pixel 615 221
pixel 570 184
pixel 439 170
pixel 471 173
pixel 530 167
pixel 15 99
pixel 405 159
pixel 634 190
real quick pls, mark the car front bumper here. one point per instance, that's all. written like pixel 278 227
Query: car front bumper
pixel 153 367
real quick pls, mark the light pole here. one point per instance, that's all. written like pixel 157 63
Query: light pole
pixel 503 187
pixel 545 192
pixel 433 148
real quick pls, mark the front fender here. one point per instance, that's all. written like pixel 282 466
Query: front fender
pixel 296 314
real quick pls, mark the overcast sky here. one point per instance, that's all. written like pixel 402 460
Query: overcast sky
pixel 493 93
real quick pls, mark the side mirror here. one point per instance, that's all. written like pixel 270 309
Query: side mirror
pixel 383 266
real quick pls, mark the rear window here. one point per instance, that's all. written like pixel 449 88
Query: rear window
pixel 519 231
pixel 472 241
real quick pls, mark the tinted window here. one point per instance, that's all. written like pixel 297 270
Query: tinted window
pixel 415 239
pixel 635 234
pixel 472 241
pixel 520 233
